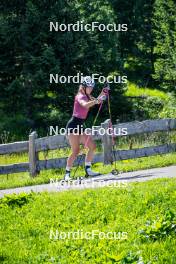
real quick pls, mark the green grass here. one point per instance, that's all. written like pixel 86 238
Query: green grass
pixel 23 179
pixel 135 90
pixel 26 221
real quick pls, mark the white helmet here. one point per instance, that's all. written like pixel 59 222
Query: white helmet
pixel 87 81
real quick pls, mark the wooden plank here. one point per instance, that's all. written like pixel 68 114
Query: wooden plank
pixel 14 168
pixel 147 126
pixel 120 155
pixel 135 127
pixel 58 141
pixel 15 147
pixel 51 142
pixel 145 152
pixel 45 143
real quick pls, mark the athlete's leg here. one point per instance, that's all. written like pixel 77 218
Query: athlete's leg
pixel 90 144
pixel 74 141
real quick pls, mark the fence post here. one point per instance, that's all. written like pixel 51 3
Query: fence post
pixel 33 155
pixel 107 143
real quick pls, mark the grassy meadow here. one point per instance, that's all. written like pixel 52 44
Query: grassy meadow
pixel 142 215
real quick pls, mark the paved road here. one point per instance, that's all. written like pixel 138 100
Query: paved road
pixel 99 181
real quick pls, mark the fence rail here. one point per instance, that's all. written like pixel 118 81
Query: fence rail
pixel 35 145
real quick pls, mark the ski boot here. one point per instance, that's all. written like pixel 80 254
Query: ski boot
pixel 90 173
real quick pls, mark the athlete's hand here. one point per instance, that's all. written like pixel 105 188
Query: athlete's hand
pixel 105 90
pixel 97 101
pixel 92 98
pixel 102 94
pixel 102 97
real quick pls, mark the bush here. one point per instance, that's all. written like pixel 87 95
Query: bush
pixel 15 200
pixel 169 110
pixel 148 108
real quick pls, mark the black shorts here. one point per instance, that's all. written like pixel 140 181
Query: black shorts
pixel 75 125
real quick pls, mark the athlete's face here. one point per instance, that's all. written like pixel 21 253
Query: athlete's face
pixel 89 89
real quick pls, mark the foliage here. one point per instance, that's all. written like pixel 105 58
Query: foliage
pixel 130 257
pixel 16 200
pixel 169 109
pixel 164 30
pixel 30 52
pixel 160 228
pixel 25 231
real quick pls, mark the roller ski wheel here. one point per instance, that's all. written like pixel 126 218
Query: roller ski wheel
pixel 115 172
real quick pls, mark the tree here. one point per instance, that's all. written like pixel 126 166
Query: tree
pixel 164 31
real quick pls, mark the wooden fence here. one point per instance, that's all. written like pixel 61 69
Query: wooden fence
pixel 35 145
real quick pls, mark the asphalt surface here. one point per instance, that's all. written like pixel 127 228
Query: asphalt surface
pixel 119 180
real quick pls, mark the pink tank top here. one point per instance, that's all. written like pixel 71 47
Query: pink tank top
pixel 80 111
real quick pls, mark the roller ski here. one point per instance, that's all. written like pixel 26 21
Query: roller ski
pixel 89 173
